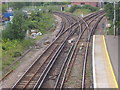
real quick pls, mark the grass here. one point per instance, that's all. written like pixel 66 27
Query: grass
pixel 8 55
pixel 48 7
pixel 47 23
pixel 78 12
pixel 14 48
pixel 11 47
pixel 111 29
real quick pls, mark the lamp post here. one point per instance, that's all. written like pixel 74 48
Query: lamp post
pixel 114 20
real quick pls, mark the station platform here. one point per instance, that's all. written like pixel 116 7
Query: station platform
pixel 104 75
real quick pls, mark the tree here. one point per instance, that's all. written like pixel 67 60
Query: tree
pixel 109 9
pixel 90 8
pixel 16 29
pixel 73 8
pixel 16 5
pixel 4 8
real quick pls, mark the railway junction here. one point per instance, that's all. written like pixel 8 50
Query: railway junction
pixel 75 58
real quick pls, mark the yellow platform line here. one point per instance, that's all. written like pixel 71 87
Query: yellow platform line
pixel 109 61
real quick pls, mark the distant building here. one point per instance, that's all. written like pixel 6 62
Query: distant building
pixel 94 4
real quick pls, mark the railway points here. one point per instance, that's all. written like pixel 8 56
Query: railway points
pixel 70 46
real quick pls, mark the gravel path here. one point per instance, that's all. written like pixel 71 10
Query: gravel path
pixel 30 57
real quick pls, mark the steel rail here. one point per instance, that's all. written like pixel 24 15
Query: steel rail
pixel 37 70
pixel 45 51
pixel 68 65
pixel 44 74
pixel 36 60
pixel 86 52
pixel 61 70
pixel 63 80
pixel 86 18
pixel 62 28
pixel 69 61
pixel 39 86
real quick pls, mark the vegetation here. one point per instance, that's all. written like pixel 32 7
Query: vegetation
pixel 45 8
pixel 3 8
pixel 73 8
pixel 92 9
pixel 78 12
pixel 19 5
pixel 13 37
pixel 56 3
pixel 16 28
pixel 12 49
pixel 16 5
pixel 109 9
pixel 40 21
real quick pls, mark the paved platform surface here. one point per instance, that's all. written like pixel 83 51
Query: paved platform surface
pixel 103 72
pixel 112 46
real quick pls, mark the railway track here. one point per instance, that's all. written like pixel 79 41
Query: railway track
pixel 56 61
pixel 67 21
pixel 39 64
pixel 86 42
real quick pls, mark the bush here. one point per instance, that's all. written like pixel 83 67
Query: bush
pixel 73 8
pixel 4 8
pixel 109 9
pixel 27 43
pixel 15 29
pixel 81 11
pixel 16 54
pixel 40 21
pixel 90 8
pixel 12 49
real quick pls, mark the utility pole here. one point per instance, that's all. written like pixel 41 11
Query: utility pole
pixel 114 20
pixel 101 3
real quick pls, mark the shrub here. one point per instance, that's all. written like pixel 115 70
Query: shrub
pixel 16 54
pixel 40 21
pixel 4 8
pixel 73 8
pixel 90 8
pixel 27 43
pixel 16 28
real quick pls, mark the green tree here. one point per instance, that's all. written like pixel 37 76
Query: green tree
pixel 16 29
pixel 109 9
pixel 17 5
pixel 90 8
pixel 4 8
pixel 73 8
